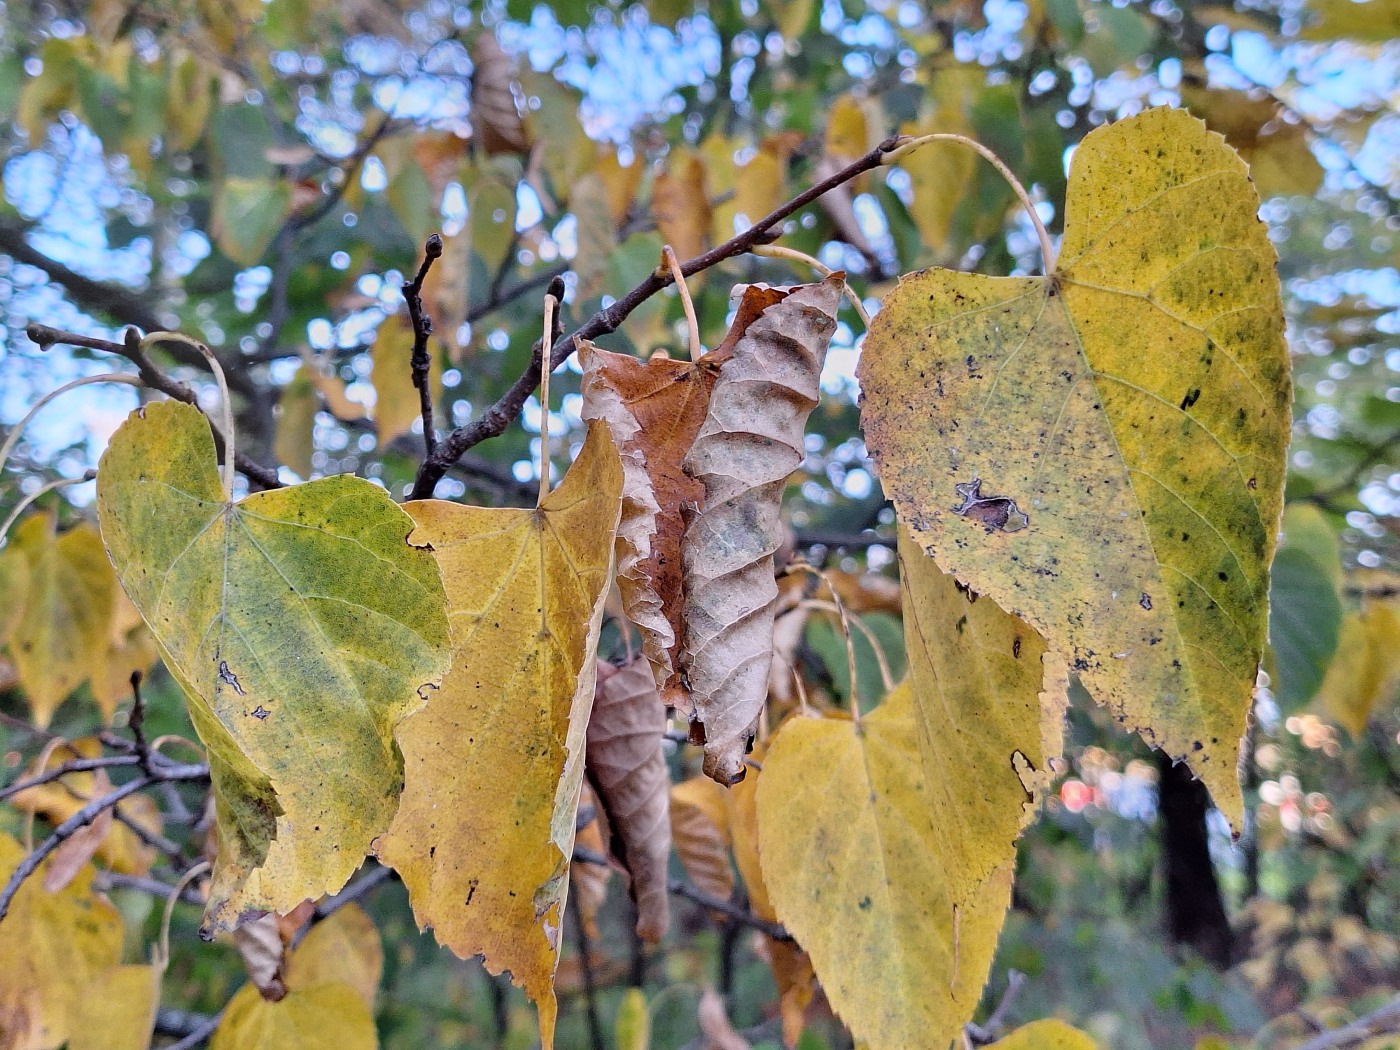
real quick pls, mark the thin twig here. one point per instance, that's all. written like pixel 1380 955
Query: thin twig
pixel 501 414
pixel 199 1036
pixel 136 722
pixel 590 982
pixel 729 910
pixel 422 329
pixel 1382 1021
pixel 79 765
pixel 30 500
pixel 981 1035
pixel 356 891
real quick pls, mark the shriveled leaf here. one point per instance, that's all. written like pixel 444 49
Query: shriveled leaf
pixel 396 405
pixel 791 966
pixel 118 1011
pixel 494 114
pixel 1045 1035
pixel 1102 452
pixel 1366 669
pixel 53 948
pixel 679 203
pixel 700 829
pixel 851 859
pixel 1305 608
pixel 300 624
pixel 120 848
pixel 342 949
pixel 66 616
pixel 715 1025
pixel 632 1028
pixel 627 768
pixel 990 702
pixel 323 1017
pixel 264 949
pixel 247 214
pixel 752 439
pixel 493 763
pixel 293 443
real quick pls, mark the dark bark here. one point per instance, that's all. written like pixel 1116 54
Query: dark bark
pixel 1195 907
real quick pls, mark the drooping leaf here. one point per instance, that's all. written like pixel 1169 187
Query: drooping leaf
pixel 627 768
pixel 324 1017
pixel 791 966
pixel 293 443
pixel 65 617
pixel 851 858
pixel 1102 452
pixel 342 949
pixel 493 763
pixel 1045 1035
pixel 397 404
pixel 301 626
pixel 718 1030
pixel 1305 609
pixel 622 182
pixel 495 117
pixel 632 1028
pixel 752 439
pixel 1366 669
pixel 590 881
pixel 53 948
pixel 130 648
pixel 700 829
pixel 118 1011
pixel 597 233
pixel 990 701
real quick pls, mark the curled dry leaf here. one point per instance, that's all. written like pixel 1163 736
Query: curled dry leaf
pixel 495 116
pixel 715 1024
pixel 264 944
pixel 700 829
pixel 627 769
pixel 752 439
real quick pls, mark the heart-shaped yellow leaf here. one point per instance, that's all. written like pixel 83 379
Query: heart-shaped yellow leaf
pixel 301 625
pixel 1101 451
pixel 494 762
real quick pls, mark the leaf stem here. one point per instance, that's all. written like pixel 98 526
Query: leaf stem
pixel 908 145
pixel 668 255
pixel 778 251
pixel 839 606
pixel 105 377
pixel 546 367
pixel 28 501
pixel 227 469
pixel 886 678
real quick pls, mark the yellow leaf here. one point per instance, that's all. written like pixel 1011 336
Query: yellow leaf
pixel 621 182
pixel 760 186
pixel 14 589
pixel 396 404
pixel 1102 452
pixel 633 1025
pixel 791 966
pixel 118 1011
pixel 53 90
pixel 331 387
pixel 1365 671
pixel 53 948
pixel 597 233
pixel 189 97
pixel 679 203
pixel 1045 1035
pixel 343 949
pixel 848 133
pixel 301 626
pixel 121 849
pixel 294 441
pixel 989 701
pixel 493 763
pixel 67 616
pixel 851 858
pixel 130 648
pixel 323 1017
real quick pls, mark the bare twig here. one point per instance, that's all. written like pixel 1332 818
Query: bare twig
pixel 199 1036
pixel 422 329
pixel 78 765
pixel 981 1035
pixel 1383 1021
pixel 136 722
pixel 500 415
pixel 131 349
pixel 356 891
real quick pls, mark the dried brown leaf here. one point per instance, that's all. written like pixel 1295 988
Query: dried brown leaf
pixel 627 769
pixel 494 113
pixel 751 441
pixel 715 1024
pixel 264 954
pixel 590 881
pixel 700 829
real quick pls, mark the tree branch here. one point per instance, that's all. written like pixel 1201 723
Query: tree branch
pixel 500 415
pixel 1383 1021
pixel 422 330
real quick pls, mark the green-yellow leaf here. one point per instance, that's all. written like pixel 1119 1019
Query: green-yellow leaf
pixel 302 627
pixel 293 442
pixel 851 859
pixel 990 701
pixel 1305 608
pixel 66 616
pixel 632 1028
pixel 493 763
pixel 1366 669
pixel 1102 452
pixel 247 214
pixel 53 948
pixel 1045 1035
pixel 323 1017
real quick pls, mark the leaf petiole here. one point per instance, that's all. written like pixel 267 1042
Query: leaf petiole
pixel 778 251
